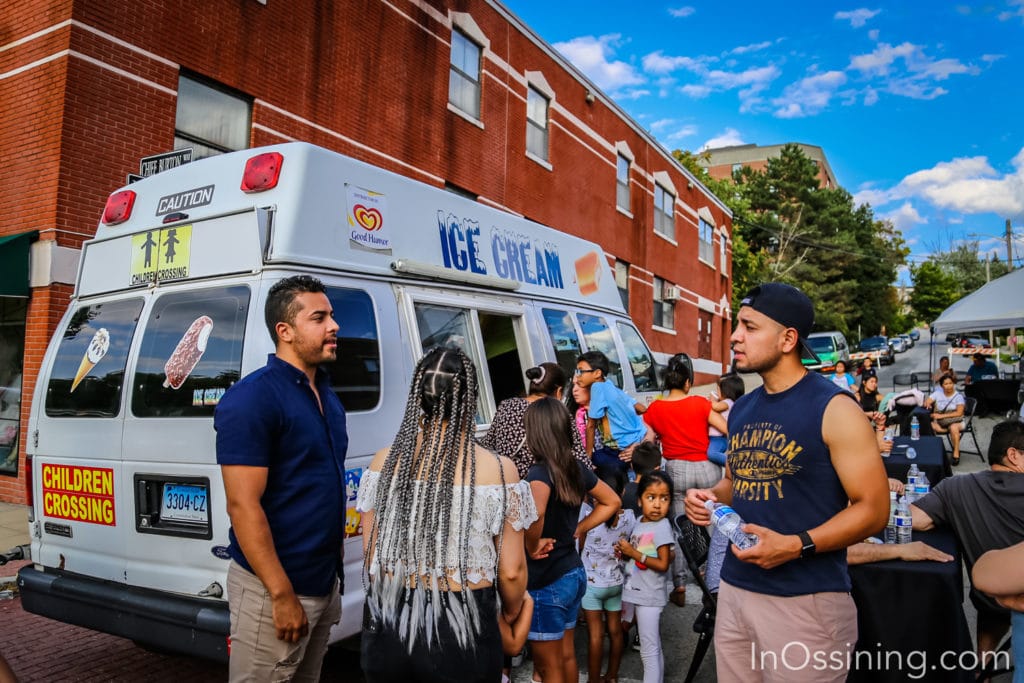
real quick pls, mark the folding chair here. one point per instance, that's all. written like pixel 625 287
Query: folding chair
pixel 694 542
pixel 967 427
pixel 992 669
pixel 903 380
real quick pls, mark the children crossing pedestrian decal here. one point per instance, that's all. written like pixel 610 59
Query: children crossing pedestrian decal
pixel 161 255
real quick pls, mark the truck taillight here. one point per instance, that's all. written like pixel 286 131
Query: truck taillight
pixel 28 480
pixel 119 207
pixel 262 172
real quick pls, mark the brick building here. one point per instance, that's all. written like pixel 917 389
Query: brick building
pixel 456 93
pixel 722 162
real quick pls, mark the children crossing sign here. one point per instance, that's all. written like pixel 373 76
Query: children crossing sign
pixel 160 255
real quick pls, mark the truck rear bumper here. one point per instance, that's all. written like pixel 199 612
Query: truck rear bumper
pixel 191 626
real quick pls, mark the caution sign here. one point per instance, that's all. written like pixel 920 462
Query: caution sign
pixel 160 255
pixel 81 494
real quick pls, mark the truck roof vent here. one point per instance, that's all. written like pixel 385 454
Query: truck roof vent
pixel 262 172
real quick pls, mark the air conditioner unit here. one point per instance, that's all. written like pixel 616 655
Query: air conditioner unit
pixel 671 293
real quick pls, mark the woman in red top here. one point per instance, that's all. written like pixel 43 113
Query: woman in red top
pixel 681 423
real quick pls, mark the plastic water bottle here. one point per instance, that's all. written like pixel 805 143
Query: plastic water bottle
pixel 915 428
pixel 728 521
pixel 923 487
pixel 903 521
pixel 910 489
pixel 890 528
pixel 911 452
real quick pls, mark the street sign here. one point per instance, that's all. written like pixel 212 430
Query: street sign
pixel 161 162
pixel 132 178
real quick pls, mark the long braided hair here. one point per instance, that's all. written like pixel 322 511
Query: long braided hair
pixel 415 520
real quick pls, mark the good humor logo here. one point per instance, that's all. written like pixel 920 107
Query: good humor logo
pixel 514 256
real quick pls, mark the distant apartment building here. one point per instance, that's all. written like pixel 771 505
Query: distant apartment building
pixel 722 162
pixel 459 94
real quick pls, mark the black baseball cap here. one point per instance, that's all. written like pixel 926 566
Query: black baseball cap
pixel 788 306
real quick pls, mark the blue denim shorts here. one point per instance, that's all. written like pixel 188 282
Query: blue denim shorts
pixel 556 605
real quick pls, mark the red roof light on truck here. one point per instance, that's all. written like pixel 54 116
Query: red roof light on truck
pixel 262 172
pixel 119 207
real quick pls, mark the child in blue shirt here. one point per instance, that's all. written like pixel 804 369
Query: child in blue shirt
pixel 614 425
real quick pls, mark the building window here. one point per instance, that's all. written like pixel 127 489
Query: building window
pixel 664 308
pixel 736 168
pixel 622 183
pixel 464 76
pixel 13 311
pixel 210 119
pixel 536 124
pixel 721 252
pixel 664 212
pixel 706 250
pixel 622 282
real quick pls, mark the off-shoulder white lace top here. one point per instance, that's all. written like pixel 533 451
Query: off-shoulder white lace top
pixel 486 523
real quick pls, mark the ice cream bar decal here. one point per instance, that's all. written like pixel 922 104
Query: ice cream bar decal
pixel 588 273
pixel 98 347
pixel 188 352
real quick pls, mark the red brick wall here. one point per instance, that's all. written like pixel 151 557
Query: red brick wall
pixel 362 77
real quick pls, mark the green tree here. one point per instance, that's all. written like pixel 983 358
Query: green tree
pixel 934 290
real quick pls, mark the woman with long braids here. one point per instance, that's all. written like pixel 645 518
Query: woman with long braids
pixel 443 523
pixel 557 578
pixel 507 435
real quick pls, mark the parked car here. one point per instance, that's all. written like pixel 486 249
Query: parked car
pixel 977 342
pixel 886 356
pixel 964 341
pixel 915 334
pixel 899 345
pixel 830 347
pixel 908 339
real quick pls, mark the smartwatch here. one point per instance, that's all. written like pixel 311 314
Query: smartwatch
pixel 808 548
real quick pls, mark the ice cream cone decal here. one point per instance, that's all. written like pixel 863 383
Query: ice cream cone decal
pixel 98 347
pixel 188 352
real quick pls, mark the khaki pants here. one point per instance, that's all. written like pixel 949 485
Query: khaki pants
pixel 770 638
pixel 256 653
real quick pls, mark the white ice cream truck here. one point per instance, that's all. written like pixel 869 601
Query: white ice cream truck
pixel 128 522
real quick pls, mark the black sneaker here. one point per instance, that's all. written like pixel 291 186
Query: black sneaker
pixel 636 640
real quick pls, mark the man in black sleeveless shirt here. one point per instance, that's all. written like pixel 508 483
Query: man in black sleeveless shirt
pixel 803 471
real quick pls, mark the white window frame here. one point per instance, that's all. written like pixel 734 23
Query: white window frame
pixel 664 216
pixel 667 309
pixel 622 194
pixel 230 104
pixel 541 140
pixel 722 261
pixel 457 74
pixel 705 241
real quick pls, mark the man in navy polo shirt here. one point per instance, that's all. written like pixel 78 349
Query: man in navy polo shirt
pixel 281 444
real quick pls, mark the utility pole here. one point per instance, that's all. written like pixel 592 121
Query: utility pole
pixel 1009 245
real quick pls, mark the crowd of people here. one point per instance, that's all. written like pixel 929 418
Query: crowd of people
pixel 563 510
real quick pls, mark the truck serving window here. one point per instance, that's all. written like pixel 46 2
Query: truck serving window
pixel 641 363
pixel 355 375
pixel 564 338
pixel 88 372
pixel 598 337
pixel 191 352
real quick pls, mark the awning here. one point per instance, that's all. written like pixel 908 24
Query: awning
pixel 14 263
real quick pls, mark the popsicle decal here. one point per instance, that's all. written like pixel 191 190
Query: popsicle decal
pixel 588 273
pixel 98 347
pixel 369 219
pixel 188 352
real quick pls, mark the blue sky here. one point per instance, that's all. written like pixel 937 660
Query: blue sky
pixel 919 106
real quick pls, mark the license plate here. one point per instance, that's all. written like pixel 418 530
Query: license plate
pixel 184 503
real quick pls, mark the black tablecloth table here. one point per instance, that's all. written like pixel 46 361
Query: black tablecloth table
pixel 994 395
pixel 908 615
pixel 931 458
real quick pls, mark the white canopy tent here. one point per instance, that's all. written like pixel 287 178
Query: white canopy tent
pixel 998 305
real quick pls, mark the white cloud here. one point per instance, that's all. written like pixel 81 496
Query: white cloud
pixel 905 70
pixel 660 125
pixel 808 96
pixel 686 131
pixel 881 59
pixel 595 57
pixel 872 196
pixel 729 138
pixel 727 80
pixel 870 96
pixel 873 34
pixel 857 17
pixel 989 59
pixel 658 63
pixel 968 185
pixel 904 218
pixel 754 47
pixel 681 12
pixel 697 92
pixel 1016 10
